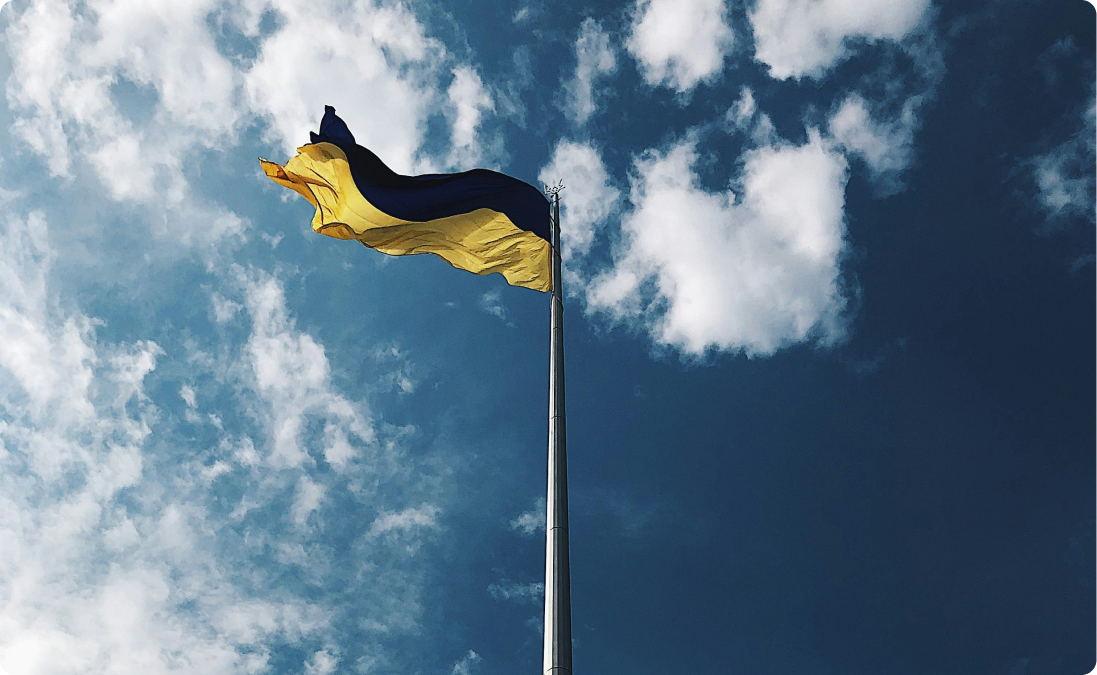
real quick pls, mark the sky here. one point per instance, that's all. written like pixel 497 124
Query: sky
pixel 829 325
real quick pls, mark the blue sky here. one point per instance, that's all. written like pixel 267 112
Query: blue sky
pixel 829 340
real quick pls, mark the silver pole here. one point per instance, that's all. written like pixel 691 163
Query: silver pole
pixel 557 574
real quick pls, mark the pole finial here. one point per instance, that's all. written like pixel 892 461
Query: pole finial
pixel 554 190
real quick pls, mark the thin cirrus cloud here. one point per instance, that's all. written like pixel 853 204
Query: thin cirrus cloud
pixel 680 43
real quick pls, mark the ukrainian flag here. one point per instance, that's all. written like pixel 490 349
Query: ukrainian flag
pixel 478 220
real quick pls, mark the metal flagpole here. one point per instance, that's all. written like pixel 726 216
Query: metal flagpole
pixel 557 574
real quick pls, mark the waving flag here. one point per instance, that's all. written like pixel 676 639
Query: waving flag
pixel 481 221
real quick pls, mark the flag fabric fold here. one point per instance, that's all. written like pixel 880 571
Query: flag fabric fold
pixel 480 221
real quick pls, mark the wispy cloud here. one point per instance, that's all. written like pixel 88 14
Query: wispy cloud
pixel 292 376
pixel 96 581
pixel 522 593
pixel 595 58
pixel 407 520
pixel 886 146
pixel 1064 175
pixel 531 521
pixel 466 665
pixel 116 553
pixel 492 303
pixel 467 100
pixel 323 662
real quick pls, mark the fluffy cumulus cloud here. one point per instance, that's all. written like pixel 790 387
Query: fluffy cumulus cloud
pixel 77 68
pixel 68 59
pixel 595 58
pixel 588 199
pixel 1064 176
pixel 805 38
pixel 129 95
pixel 752 272
pixel 680 43
pixel 374 62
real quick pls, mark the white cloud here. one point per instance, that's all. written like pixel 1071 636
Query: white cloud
pixel 307 500
pixel 323 662
pixel 465 665
pixel 62 74
pixel 743 116
pixel 886 146
pixel 742 111
pixel 492 303
pixel 292 376
pixel 187 394
pixel 72 64
pixel 521 15
pixel 407 520
pixel 798 38
pixel 511 590
pixel 595 58
pixel 378 68
pixel 468 101
pixel 223 309
pixel 117 555
pixel 50 362
pixel 400 378
pixel 1064 176
pixel 586 204
pixel 704 270
pixel 93 582
pixel 531 521
pixel 128 96
pixel 680 43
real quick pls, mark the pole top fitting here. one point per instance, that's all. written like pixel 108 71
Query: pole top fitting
pixel 554 190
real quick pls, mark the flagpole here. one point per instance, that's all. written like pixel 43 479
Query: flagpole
pixel 557 659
